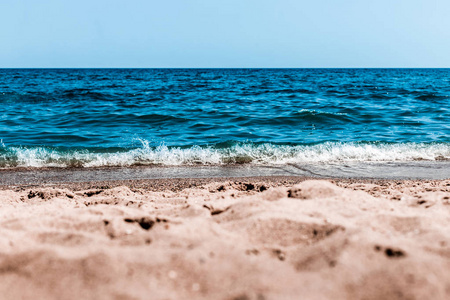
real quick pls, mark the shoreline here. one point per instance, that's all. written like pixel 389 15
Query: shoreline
pixel 364 172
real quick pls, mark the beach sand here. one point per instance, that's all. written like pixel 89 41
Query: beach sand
pixel 242 238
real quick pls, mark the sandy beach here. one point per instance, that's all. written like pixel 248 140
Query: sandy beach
pixel 230 238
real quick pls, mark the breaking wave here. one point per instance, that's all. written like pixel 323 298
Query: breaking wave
pixel 220 154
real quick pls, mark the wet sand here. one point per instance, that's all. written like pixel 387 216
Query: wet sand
pixel 427 170
pixel 274 237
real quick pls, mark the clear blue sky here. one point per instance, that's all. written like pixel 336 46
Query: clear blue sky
pixel 225 33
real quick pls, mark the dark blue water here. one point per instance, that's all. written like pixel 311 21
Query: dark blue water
pixel 94 117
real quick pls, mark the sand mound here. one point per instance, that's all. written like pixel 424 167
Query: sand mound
pixel 311 189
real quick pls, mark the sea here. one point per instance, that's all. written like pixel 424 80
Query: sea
pixel 85 118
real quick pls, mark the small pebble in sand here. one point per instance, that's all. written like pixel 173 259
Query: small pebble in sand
pixel 173 274
pixel 195 287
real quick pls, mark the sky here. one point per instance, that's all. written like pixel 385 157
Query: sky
pixel 224 34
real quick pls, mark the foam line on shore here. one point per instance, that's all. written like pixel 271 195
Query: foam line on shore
pixel 237 153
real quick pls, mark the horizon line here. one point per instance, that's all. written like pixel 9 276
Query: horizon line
pixel 142 68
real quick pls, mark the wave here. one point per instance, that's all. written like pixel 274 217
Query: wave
pixel 220 154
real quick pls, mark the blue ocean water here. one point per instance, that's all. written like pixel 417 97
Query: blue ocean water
pixel 122 117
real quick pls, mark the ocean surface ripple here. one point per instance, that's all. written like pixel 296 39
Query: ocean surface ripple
pixel 124 117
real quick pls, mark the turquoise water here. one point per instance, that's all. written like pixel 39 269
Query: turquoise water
pixel 122 117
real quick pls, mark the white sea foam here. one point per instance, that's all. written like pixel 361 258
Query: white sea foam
pixel 262 154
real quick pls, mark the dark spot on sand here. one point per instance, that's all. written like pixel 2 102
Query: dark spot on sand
pixel 32 194
pixel 221 188
pixel 394 253
pixel 292 193
pixel 219 211
pixel 421 202
pixel 145 222
pixel 391 252
pixel 279 254
pixel 249 186
pixel 92 193
pixel 215 211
